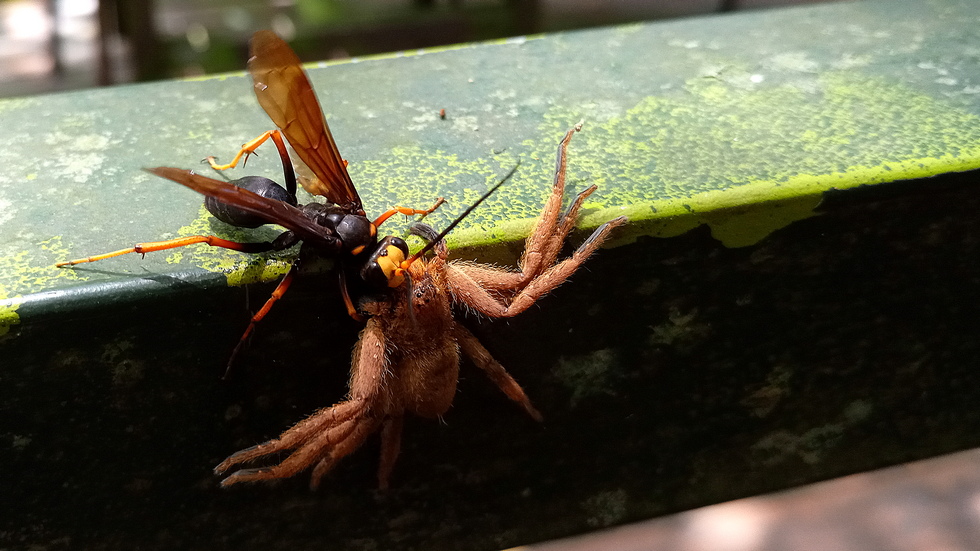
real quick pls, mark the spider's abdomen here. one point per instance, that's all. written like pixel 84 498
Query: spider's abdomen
pixel 425 381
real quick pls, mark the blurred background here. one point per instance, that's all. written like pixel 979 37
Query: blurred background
pixel 50 45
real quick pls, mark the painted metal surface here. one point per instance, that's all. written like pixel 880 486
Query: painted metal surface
pixel 738 123
pixel 673 373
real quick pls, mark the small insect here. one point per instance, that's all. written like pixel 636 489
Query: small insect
pixel 338 228
pixel 407 358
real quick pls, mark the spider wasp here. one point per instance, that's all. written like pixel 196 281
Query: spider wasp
pixel 407 358
pixel 338 228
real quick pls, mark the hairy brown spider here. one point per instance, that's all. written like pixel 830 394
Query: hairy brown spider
pixel 407 358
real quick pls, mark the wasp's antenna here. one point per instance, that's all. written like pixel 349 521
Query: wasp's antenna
pixel 432 242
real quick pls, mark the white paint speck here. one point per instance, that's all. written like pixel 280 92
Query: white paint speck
pixel 6 213
pixel 421 122
pixel 849 61
pixel 795 61
pixel 464 123
pixel 503 94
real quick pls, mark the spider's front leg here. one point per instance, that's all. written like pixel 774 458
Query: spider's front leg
pixel 331 433
pixel 473 284
pixel 546 239
pixel 501 293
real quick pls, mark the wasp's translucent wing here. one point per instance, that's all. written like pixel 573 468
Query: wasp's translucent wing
pixel 287 96
pixel 276 212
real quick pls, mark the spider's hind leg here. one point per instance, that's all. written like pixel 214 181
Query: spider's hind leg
pixel 475 351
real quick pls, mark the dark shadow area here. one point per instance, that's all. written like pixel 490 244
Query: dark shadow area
pixel 671 374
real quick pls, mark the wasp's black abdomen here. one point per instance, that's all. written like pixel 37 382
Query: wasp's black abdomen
pixel 237 217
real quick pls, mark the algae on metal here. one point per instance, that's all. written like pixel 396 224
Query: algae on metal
pixel 238 268
pixel 661 163
pixel 589 374
pixel 743 158
pixel 744 140
pixel 8 311
pixel 25 272
pixel 748 162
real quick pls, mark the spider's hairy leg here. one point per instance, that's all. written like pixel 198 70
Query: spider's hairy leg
pixel 542 246
pixel 365 427
pixel 298 435
pixel 468 288
pixel 546 239
pixel 557 274
pixel 391 443
pixel 473 349
pixel 329 445
pixel 330 433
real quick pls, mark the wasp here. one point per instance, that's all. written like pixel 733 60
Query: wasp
pixel 407 357
pixel 338 228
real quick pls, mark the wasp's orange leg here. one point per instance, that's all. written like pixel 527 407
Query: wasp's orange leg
pixel 249 149
pixel 276 295
pixel 407 212
pixel 345 294
pixel 143 248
